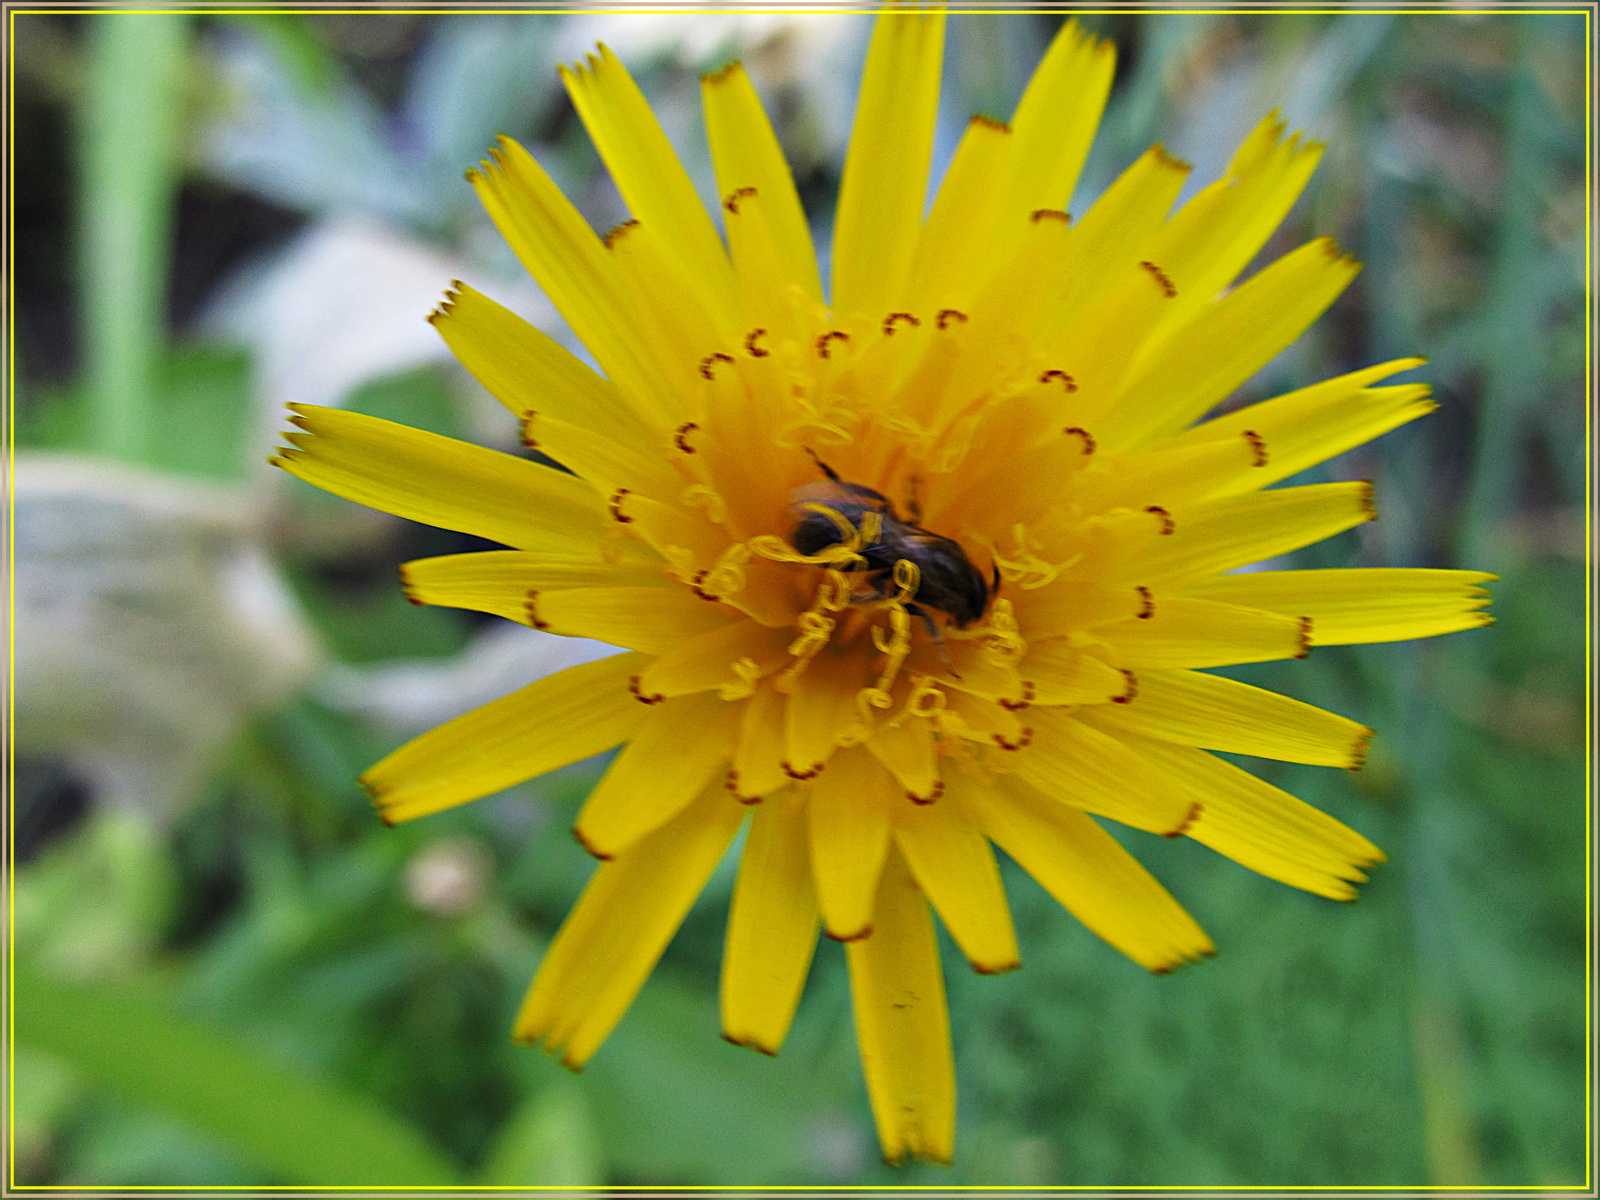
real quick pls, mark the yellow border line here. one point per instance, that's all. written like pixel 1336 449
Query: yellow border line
pixel 1589 593
pixel 668 7
pixel 9 419
pixel 806 7
pixel 1589 597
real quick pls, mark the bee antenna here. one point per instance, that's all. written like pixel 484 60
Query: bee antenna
pixel 826 469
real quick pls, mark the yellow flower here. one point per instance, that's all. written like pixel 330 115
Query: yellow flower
pixel 934 564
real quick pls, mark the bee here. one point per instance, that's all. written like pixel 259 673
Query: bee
pixel 948 582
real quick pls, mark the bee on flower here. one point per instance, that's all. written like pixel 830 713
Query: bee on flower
pixel 932 559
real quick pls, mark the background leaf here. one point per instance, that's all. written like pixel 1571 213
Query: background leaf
pixel 125 1038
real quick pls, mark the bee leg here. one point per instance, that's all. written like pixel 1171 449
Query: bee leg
pixel 994 589
pixel 935 635
pixel 826 469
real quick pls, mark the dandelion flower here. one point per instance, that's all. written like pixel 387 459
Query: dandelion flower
pixel 936 561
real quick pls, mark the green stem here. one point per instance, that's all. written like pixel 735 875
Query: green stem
pixel 1516 352
pixel 129 150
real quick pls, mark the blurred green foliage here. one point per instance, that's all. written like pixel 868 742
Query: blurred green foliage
pixel 269 987
pixel 197 414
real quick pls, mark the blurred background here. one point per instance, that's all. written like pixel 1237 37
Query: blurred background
pixel 230 973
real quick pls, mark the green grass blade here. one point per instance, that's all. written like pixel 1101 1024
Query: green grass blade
pixel 129 128
pixel 549 1141
pixel 122 1036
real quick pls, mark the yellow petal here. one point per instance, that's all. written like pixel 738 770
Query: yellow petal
pixel 675 322
pixel 1009 428
pixel 1263 827
pixel 983 720
pixel 1057 117
pixel 443 482
pixel 1174 473
pixel 708 660
pixel 1375 604
pixel 1201 364
pixel 1185 632
pixel 1222 714
pixel 600 462
pixel 1101 551
pixel 849 838
pixel 548 724
pixel 953 256
pixel 528 372
pixel 1016 490
pixel 683 537
pixel 746 153
pixel 822 704
pixel 1018 306
pixel 647 172
pixel 623 921
pixel 1106 248
pixel 652 619
pixel 1125 217
pixel 976 672
pixel 906 750
pixel 679 751
pixel 1112 293
pixel 885 181
pixel 902 1025
pixel 1267 173
pixel 955 869
pixel 779 315
pixel 1308 426
pixel 1219 535
pixel 1058 673
pixel 1068 605
pixel 499 581
pixel 1087 871
pixel 572 266
pixel 741 458
pixel 772 927
pixel 1001 175
pixel 1215 235
pixel 1092 770
pixel 758 760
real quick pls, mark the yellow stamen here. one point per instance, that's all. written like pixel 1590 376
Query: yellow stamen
pixel 698 495
pixel 829 426
pixel 747 672
pixel 1003 645
pixel 869 698
pixel 871 527
pixel 1023 566
pixel 907 578
pixel 728 577
pixel 848 534
pixel 833 594
pixel 895 648
pixel 926 698
pixel 771 546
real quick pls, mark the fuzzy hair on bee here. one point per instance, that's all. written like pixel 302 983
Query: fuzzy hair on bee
pixel 948 582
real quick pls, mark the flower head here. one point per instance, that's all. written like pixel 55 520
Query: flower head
pixel 933 562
